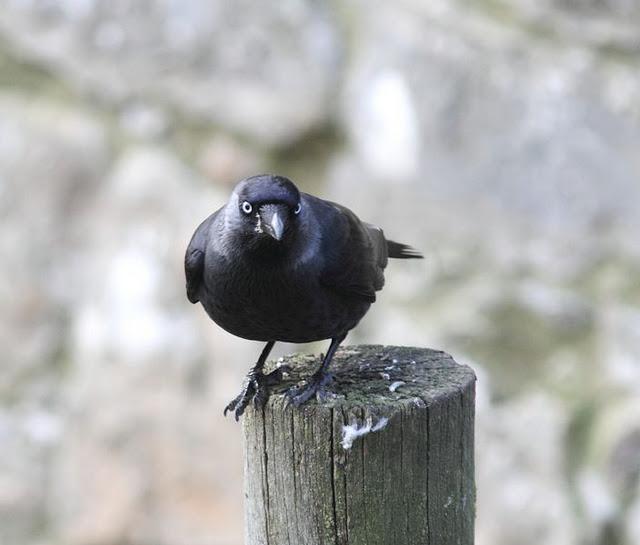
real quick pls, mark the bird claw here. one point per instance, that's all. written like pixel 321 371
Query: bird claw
pixel 240 402
pixel 316 385
pixel 256 388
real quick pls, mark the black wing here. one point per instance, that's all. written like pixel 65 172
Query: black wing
pixel 356 254
pixel 194 258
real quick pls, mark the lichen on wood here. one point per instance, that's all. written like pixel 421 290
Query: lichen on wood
pixel 406 477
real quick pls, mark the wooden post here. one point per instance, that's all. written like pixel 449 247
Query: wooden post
pixel 388 461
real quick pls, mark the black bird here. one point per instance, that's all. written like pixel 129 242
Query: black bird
pixel 275 264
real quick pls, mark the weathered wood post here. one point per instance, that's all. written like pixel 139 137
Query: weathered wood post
pixel 388 461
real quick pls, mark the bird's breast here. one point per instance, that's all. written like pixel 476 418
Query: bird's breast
pixel 268 303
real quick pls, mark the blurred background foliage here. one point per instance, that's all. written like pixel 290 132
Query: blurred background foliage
pixel 502 138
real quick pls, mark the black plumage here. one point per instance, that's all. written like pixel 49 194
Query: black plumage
pixel 275 264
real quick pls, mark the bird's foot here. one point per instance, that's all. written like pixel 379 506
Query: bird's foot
pixel 316 385
pixel 255 387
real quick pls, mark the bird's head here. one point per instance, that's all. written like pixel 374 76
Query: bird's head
pixel 265 209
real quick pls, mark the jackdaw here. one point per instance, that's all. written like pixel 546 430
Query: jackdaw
pixel 276 264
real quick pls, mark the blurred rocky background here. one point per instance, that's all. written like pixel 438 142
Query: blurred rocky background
pixel 500 137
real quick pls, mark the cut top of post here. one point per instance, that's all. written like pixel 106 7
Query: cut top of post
pixel 379 377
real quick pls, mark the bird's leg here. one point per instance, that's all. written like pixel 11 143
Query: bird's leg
pixel 255 384
pixel 318 381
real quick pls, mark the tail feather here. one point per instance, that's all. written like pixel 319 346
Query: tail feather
pixel 402 251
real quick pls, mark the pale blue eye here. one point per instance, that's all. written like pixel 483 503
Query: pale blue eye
pixel 246 207
pixel 298 208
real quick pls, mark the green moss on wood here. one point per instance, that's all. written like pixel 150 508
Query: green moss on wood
pixel 410 483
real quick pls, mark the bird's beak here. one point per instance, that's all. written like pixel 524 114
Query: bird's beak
pixel 277 227
pixel 274 219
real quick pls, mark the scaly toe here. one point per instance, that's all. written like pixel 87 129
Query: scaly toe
pixel 317 384
pixel 256 389
pixel 239 404
pixel 232 404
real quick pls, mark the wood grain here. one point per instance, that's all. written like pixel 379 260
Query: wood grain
pixel 410 483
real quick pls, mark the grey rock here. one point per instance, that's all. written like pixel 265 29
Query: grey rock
pixel 50 159
pixel 145 459
pixel 520 447
pixel 463 108
pixel 131 305
pixel 26 438
pixel 226 160
pixel 632 523
pixel 264 72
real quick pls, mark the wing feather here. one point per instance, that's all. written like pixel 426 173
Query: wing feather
pixel 194 259
pixel 357 255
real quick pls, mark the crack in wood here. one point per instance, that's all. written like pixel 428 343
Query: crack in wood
pixel 409 483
